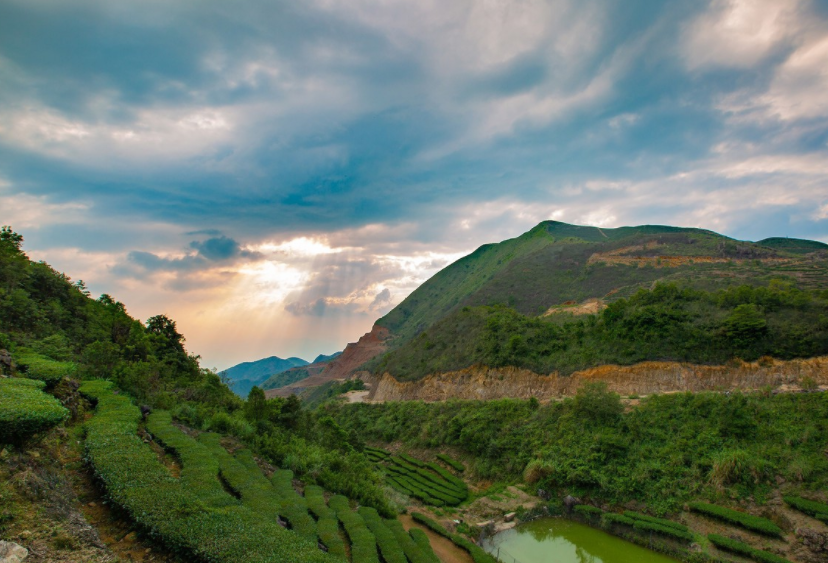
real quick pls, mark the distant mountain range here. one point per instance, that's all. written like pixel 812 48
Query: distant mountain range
pixel 271 372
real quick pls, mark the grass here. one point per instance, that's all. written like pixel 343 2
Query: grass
pixel 746 521
pixel 164 507
pixel 26 410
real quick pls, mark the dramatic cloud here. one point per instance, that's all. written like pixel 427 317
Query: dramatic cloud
pixel 276 175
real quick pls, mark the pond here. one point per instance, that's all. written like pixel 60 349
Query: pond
pixel 556 540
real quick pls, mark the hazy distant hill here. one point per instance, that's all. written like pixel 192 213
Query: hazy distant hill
pixel 322 358
pixel 246 375
pixel 296 374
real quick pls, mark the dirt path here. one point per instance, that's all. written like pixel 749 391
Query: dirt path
pixel 444 548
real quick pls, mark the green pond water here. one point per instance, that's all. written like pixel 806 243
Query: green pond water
pixel 556 540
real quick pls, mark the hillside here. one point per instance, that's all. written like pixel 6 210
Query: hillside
pixel 507 303
pixel 117 446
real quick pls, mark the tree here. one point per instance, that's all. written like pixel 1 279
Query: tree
pixel 255 410
pixel 11 239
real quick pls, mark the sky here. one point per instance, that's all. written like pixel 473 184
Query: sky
pixel 275 176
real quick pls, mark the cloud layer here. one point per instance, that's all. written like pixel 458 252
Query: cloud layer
pixel 276 175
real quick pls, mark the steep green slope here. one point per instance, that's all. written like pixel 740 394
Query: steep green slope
pixel 556 264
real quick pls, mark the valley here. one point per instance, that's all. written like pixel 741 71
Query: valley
pixel 666 386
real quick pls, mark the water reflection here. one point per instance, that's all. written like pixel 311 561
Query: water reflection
pixel 561 541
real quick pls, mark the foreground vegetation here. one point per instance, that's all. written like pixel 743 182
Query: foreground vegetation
pixel 184 513
pixel 668 450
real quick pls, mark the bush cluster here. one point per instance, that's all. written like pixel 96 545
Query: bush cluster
pixel 416 552
pixel 476 552
pixel 654 520
pixel 200 466
pixel 136 480
pixel 26 410
pixel 818 510
pixel 387 543
pixel 453 463
pixel 423 482
pixel 746 521
pixel 363 543
pixel 376 455
pixel 44 369
pixel 327 524
pixel 293 506
pixel 587 510
pixel 740 548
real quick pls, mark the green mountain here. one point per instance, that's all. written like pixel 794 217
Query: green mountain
pixel 517 302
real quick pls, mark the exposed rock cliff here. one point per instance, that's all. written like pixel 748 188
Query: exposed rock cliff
pixel 371 344
pixel 480 382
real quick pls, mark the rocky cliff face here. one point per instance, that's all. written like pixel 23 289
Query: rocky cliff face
pixel 371 344
pixel 483 383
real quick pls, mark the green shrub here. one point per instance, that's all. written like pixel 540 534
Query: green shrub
pixel 327 525
pixel 293 506
pixel 200 467
pixel 387 543
pixel 654 520
pixel 587 510
pixel 377 452
pixel 421 539
pixel 456 465
pixel 613 518
pixel 459 484
pixel 244 476
pixel 363 543
pixel 415 552
pixel 136 481
pixel 809 507
pixel 740 548
pixel 476 552
pixel 44 369
pixel 645 526
pixel 747 521
pixel 413 461
pixel 26 410
pixel 328 530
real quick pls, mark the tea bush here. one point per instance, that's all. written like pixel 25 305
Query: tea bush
pixel 476 552
pixel 363 543
pixel 740 548
pixel 456 465
pixel 387 543
pixel 414 551
pixel 746 521
pixel 136 481
pixel 26 410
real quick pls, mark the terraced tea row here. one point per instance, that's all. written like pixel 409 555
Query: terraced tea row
pixel 172 509
pixel 223 504
pixel 427 482
pixel 26 410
